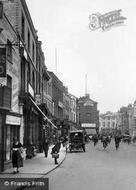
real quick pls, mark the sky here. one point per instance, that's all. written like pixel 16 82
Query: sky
pixel 107 58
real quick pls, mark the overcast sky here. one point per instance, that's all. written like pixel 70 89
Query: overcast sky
pixel 108 58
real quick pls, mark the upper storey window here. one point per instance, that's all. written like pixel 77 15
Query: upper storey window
pixel 23 27
pixel 28 38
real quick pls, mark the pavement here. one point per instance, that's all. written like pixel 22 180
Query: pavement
pixel 38 166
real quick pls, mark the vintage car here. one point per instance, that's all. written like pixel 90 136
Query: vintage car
pixel 76 140
pixel 126 138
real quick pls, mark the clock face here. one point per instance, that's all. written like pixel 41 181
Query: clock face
pixel 88 103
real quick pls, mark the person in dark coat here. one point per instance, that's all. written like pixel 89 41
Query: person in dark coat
pixel 45 147
pixel 117 140
pixel 17 160
pixel 95 139
pixel 56 149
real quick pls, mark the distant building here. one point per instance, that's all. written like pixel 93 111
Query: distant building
pixel 87 113
pixel 132 119
pixel 124 119
pixel 108 122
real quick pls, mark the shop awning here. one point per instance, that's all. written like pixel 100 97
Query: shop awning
pixel 46 118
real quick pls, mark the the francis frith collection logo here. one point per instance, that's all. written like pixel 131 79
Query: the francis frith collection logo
pixel 106 21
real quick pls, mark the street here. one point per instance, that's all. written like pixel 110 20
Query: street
pixel 97 169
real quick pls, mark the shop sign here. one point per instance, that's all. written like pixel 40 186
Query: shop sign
pixel 89 125
pixel 13 120
pixel 2 62
pixel 38 99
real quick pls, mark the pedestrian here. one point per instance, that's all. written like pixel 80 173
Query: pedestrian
pixel 45 147
pixel 55 151
pixel 17 160
pixel 117 140
pixel 64 140
pixel 109 139
pixel 104 140
pixel 95 139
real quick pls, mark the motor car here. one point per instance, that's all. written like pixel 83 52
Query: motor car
pixel 126 138
pixel 76 140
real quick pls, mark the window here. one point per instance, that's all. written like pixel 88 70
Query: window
pixel 33 52
pixel 28 38
pixel 9 81
pixel 23 27
pixel 88 114
pixel 33 81
pixel 9 84
pixel 28 73
pixel 108 124
pixel 113 124
pixel 9 51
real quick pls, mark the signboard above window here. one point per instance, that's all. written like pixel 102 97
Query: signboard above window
pixel 89 125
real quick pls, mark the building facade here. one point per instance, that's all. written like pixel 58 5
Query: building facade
pixel 108 123
pixel 24 81
pixel 87 113
pixel 10 111
pixel 57 96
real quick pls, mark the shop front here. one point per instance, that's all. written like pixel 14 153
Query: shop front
pixel 10 128
pixel 32 126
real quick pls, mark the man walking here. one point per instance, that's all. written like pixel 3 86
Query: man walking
pixel 117 140
pixel 45 147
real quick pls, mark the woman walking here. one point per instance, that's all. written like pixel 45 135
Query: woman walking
pixel 55 151
pixel 17 160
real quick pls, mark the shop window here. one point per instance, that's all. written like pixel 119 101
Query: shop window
pixel 11 131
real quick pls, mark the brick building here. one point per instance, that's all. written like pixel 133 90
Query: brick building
pixel 57 96
pixel 10 112
pixel 87 113
pixel 24 81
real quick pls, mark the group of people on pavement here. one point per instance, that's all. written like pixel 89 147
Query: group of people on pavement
pixel 17 152
pixel 106 139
